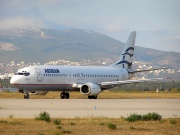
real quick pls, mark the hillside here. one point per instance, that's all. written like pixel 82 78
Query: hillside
pixel 169 58
pixel 44 45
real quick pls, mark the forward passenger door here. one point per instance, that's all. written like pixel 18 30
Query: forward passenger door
pixel 39 75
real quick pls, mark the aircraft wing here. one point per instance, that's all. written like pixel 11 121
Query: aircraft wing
pixel 116 83
pixel 144 70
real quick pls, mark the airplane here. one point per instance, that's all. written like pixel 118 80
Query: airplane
pixel 89 80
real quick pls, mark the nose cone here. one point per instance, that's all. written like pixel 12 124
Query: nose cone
pixel 14 80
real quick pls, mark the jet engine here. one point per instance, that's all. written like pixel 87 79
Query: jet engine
pixel 38 92
pixel 90 89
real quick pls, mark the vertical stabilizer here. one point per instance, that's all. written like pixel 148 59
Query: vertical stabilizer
pixel 126 57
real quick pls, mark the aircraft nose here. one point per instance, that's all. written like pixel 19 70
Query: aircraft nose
pixel 14 80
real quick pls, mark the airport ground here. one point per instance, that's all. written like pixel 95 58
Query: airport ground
pixel 17 115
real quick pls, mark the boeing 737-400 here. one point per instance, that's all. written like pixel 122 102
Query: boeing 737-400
pixel 89 80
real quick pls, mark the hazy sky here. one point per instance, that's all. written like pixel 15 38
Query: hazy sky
pixel 157 22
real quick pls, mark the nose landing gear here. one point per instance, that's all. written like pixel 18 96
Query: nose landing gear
pixel 26 95
pixel 64 95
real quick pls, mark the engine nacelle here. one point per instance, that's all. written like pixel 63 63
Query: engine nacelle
pixel 90 89
pixel 38 92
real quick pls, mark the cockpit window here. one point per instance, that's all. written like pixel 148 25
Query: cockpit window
pixel 18 73
pixel 26 74
pixel 22 73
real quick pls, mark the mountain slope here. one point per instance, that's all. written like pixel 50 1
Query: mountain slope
pixel 44 45
pixel 169 58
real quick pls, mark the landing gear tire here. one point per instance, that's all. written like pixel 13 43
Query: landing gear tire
pixel 64 95
pixel 92 97
pixel 26 96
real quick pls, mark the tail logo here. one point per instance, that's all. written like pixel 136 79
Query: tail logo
pixel 124 54
pixel 127 54
pixel 124 61
pixel 130 48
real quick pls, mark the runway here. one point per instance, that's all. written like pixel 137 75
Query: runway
pixel 72 108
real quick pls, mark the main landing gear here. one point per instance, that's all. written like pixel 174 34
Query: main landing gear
pixel 64 95
pixel 92 97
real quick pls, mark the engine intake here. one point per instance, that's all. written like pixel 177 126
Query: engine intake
pixel 90 89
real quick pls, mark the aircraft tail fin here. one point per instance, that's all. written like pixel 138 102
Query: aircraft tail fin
pixel 126 58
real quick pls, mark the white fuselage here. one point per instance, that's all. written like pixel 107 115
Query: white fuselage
pixel 65 78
